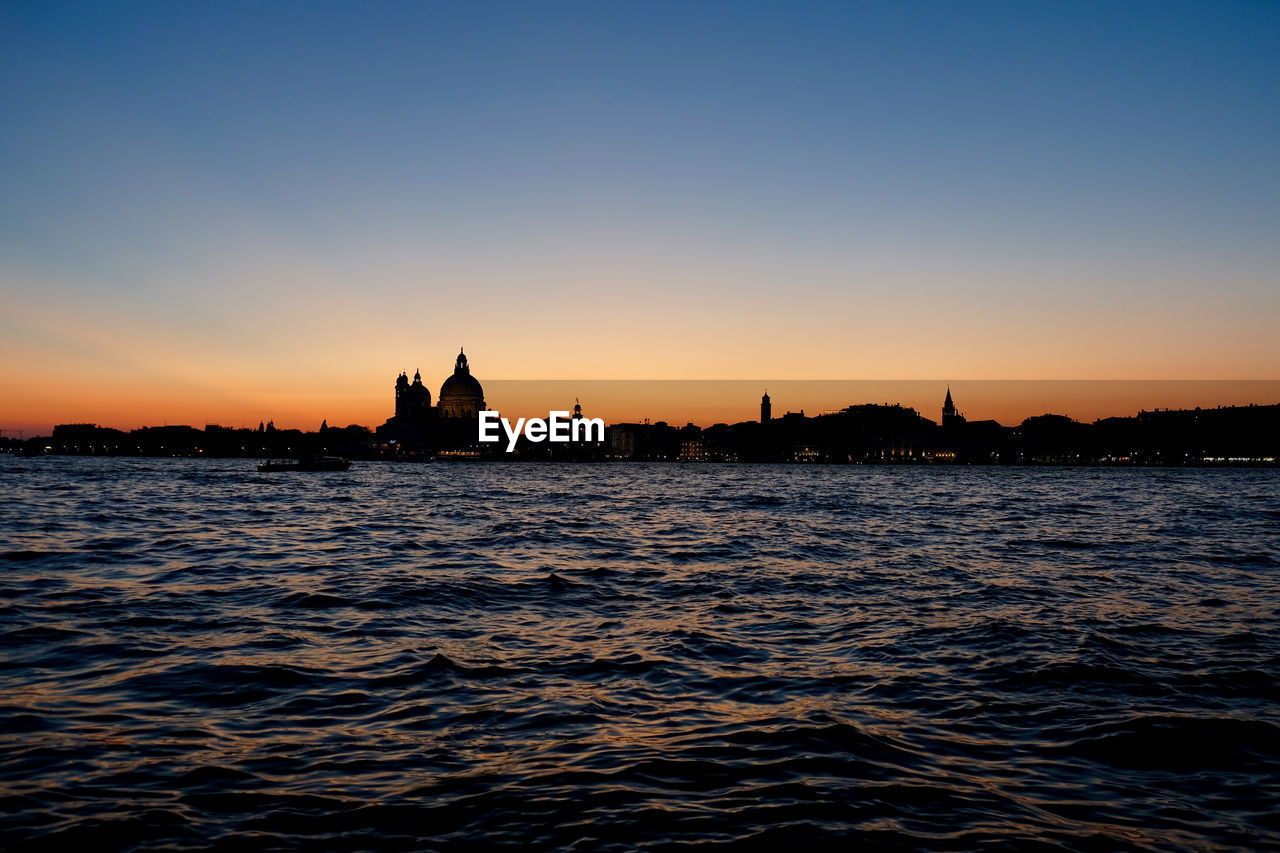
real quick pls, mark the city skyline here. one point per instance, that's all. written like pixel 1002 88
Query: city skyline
pixel 462 425
pixel 707 402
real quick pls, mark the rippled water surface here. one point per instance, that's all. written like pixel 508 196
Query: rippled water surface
pixel 618 657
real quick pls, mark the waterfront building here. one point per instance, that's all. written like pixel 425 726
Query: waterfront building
pixel 952 420
pixel 417 426
pixel 413 400
pixel 461 395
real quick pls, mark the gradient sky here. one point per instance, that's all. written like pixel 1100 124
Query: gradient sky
pixel 230 212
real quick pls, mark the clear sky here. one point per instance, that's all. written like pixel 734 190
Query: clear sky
pixel 227 211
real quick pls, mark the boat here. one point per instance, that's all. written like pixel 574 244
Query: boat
pixel 306 463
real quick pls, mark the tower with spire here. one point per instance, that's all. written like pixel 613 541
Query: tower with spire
pixel 951 418
pixel 766 408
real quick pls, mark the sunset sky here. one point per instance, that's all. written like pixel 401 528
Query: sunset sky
pixel 229 212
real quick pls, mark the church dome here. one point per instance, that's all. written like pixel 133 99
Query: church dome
pixel 461 395
pixel 461 385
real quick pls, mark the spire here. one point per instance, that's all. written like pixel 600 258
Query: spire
pixel 948 407
pixel 461 365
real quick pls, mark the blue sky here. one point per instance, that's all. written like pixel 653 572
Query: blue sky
pixel 769 189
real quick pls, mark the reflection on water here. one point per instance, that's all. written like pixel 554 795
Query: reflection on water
pixel 613 657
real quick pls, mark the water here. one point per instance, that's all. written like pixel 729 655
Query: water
pixel 626 657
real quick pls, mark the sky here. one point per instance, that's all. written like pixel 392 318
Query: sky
pixel 228 212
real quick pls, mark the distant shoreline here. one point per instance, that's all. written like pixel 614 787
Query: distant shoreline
pixel 1238 463
pixel 869 433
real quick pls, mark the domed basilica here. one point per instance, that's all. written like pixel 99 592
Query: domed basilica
pixel 416 421
pixel 461 395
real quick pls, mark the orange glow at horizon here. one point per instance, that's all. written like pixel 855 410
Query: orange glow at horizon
pixel 261 339
pixel 128 405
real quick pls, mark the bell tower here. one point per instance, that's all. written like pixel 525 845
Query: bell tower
pixel 766 408
pixel 951 418
pixel 402 396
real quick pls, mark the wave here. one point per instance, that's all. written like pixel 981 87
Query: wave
pixel 637 658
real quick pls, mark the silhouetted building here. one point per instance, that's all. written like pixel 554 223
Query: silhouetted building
pixel 866 433
pixel 406 433
pixel 461 395
pixel 413 400
pixel 178 440
pixel 88 439
pixel 952 420
pixel 1054 439
pixel 623 439
pixel 417 429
